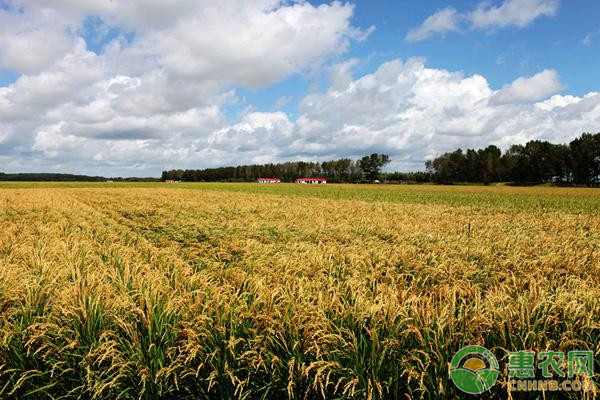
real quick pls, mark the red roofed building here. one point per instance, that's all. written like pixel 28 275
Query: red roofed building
pixel 268 180
pixel 317 181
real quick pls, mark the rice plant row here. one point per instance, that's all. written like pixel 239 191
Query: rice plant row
pixel 236 292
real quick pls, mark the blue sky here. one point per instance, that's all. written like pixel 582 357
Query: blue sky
pixel 131 88
pixel 502 54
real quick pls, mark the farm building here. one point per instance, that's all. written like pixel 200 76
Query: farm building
pixel 317 181
pixel 268 180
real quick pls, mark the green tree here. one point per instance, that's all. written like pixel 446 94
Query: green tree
pixel 371 165
pixel 585 152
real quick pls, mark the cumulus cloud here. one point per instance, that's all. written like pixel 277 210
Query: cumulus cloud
pixel 442 21
pixel 164 79
pixel 68 80
pixel 258 48
pixel 259 135
pixel 247 42
pixel 341 73
pixel 526 89
pixel 32 42
pixel 413 113
pixel 485 16
pixel 139 14
pixel 405 109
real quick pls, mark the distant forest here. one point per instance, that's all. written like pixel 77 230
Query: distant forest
pixel 51 177
pixel 576 163
pixel 367 168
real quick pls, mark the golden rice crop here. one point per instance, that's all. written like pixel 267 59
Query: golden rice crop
pixel 156 292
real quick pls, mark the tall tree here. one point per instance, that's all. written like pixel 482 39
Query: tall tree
pixel 371 165
pixel 585 152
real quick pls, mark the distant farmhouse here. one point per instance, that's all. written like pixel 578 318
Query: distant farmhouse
pixel 317 181
pixel 268 180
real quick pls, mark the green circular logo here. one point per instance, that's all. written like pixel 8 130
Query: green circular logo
pixel 474 369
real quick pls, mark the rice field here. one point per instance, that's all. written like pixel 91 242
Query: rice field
pixel 247 291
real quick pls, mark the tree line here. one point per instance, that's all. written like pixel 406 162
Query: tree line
pixel 54 177
pixel 368 168
pixel 49 177
pixel 575 163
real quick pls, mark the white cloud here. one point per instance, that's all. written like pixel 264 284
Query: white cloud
pixel 403 108
pixel 442 21
pixel 413 113
pixel 518 13
pixel 258 134
pixel 527 89
pixel 32 42
pixel 161 83
pixel 139 14
pixel 485 16
pixel 258 48
pixel 558 101
pixel 67 80
pixel 246 42
pixel 341 73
